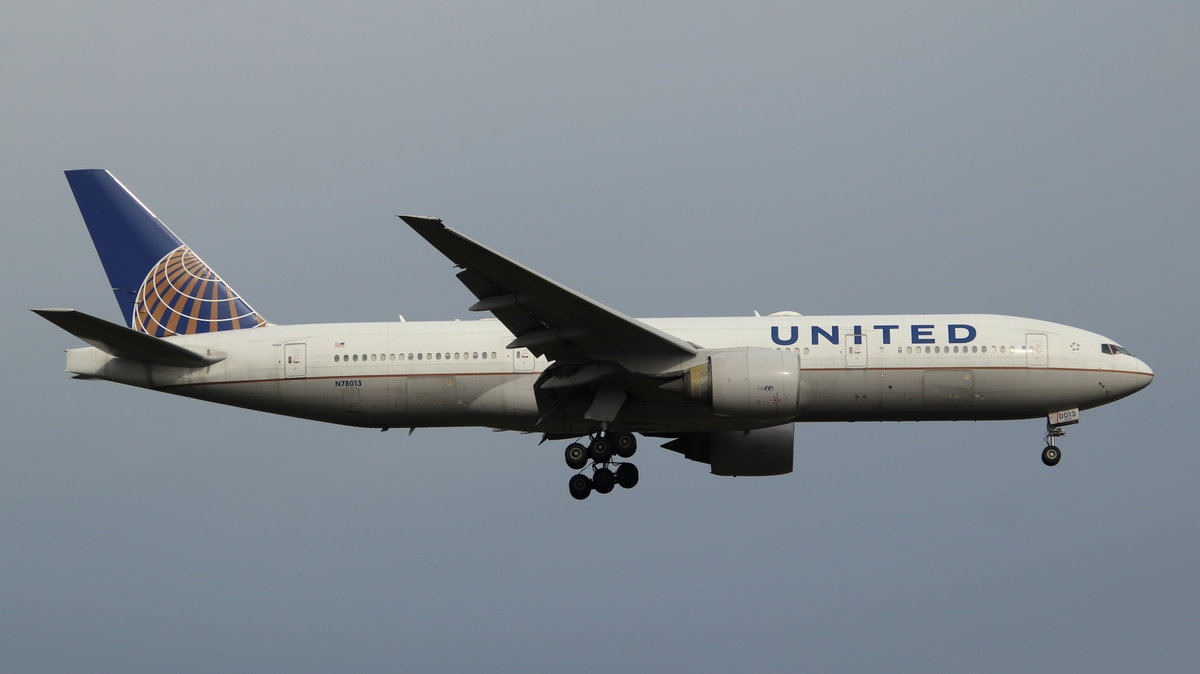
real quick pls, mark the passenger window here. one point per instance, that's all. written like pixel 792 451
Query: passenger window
pixel 356 357
pixel 455 355
pixel 439 356
pixel 336 358
pixel 1001 348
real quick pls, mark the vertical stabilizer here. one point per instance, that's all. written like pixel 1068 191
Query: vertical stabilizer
pixel 162 287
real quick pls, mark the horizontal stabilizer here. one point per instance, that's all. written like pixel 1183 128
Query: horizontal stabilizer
pixel 122 342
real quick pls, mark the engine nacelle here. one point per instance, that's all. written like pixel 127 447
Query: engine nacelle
pixel 765 451
pixel 750 383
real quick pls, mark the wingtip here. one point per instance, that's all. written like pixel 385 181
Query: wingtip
pixel 419 221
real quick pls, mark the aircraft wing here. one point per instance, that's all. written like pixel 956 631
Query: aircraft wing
pixel 547 318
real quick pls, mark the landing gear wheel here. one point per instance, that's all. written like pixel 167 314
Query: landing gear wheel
pixel 603 481
pixel 626 444
pixel 627 475
pixel 576 456
pixel 580 486
pixel 600 450
pixel 1051 455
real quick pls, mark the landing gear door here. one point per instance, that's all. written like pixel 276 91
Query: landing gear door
pixel 1036 351
pixel 293 361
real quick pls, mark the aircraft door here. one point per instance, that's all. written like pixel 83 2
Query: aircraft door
pixel 856 349
pixel 293 361
pixel 1036 351
pixel 522 360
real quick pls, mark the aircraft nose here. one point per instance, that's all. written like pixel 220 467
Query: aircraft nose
pixel 1143 379
pixel 1143 368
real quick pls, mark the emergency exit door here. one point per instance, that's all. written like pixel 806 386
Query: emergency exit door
pixel 1036 354
pixel 856 349
pixel 293 361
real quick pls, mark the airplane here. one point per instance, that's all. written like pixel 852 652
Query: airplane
pixel 726 392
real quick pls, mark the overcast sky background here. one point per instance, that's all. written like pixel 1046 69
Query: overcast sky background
pixel 1028 158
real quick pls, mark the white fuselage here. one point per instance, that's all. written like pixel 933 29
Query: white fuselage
pixel 460 373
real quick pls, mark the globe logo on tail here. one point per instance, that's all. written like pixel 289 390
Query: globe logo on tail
pixel 182 296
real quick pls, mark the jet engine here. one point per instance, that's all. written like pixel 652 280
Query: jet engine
pixel 749 383
pixel 765 451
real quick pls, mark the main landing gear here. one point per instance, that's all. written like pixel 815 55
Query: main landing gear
pixel 606 473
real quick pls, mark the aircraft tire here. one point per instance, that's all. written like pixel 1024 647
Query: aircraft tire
pixel 1051 455
pixel 603 481
pixel 580 486
pixel 626 444
pixel 576 456
pixel 601 450
pixel 627 475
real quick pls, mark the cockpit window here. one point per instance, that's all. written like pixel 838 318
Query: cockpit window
pixel 1114 349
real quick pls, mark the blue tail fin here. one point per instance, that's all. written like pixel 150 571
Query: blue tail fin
pixel 163 288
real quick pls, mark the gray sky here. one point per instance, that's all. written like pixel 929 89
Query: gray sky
pixel 1028 158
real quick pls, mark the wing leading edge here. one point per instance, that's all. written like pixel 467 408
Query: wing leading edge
pixel 545 317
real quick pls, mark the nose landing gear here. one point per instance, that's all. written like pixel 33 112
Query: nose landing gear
pixel 1054 429
pixel 599 451
pixel 1051 455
